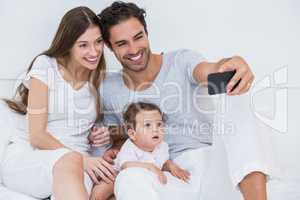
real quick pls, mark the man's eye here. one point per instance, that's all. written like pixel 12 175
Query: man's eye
pixel 139 37
pixel 121 44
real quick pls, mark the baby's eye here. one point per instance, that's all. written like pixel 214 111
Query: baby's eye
pixel 147 125
pixel 160 124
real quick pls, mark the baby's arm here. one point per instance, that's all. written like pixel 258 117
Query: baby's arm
pixel 175 170
pixel 149 166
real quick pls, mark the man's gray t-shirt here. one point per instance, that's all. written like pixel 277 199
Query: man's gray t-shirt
pixel 174 90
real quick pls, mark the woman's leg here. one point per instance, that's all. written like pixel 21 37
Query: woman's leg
pixel 68 178
pixel 34 172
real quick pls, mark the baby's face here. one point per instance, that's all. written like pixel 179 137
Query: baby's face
pixel 149 130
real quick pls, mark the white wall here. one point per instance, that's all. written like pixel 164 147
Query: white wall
pixel 265 32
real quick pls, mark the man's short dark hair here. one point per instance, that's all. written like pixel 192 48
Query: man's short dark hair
pixel 118 12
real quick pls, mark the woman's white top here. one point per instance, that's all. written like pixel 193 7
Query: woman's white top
pixel 71 113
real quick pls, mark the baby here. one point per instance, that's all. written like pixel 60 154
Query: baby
pixel 145 148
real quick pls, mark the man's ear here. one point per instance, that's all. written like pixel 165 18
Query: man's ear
pixel 131 134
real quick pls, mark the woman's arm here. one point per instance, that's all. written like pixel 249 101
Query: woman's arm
pixel 38 117
pixel 42 139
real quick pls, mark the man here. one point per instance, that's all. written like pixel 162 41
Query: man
pixel 172 81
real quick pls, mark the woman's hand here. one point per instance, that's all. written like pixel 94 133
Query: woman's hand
pixel 97 167
pixel 99 136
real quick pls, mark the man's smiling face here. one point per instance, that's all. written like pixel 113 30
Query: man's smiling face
pixel 130 44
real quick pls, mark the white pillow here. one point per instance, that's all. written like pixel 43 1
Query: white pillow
pixel 11 195
pixel 8 122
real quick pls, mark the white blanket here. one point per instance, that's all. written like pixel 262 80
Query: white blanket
pixel 6 194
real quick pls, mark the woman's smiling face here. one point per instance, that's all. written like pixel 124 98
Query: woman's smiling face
pixel 88 48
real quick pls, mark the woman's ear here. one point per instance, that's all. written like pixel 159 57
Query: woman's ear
pixel 131 134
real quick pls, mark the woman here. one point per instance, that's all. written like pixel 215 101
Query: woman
pixel 60 99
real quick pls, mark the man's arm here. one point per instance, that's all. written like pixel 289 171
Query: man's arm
pixel 237 63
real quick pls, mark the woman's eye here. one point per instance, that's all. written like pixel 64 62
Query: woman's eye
pixel 160 124
pixel 99 41
pixel 82 45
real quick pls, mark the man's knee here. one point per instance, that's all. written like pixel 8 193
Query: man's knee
pixel 253 186
pixel 255 179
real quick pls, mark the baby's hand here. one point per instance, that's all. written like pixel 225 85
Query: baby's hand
pixel 179 173
pixel 161 176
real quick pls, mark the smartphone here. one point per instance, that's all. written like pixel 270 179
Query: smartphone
pixel 217 82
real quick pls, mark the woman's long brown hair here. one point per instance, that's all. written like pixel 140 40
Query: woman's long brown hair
pixel 73 24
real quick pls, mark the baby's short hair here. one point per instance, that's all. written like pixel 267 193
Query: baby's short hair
pixel 133 109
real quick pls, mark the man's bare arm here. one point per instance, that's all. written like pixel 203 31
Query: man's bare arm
pixel 237 63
